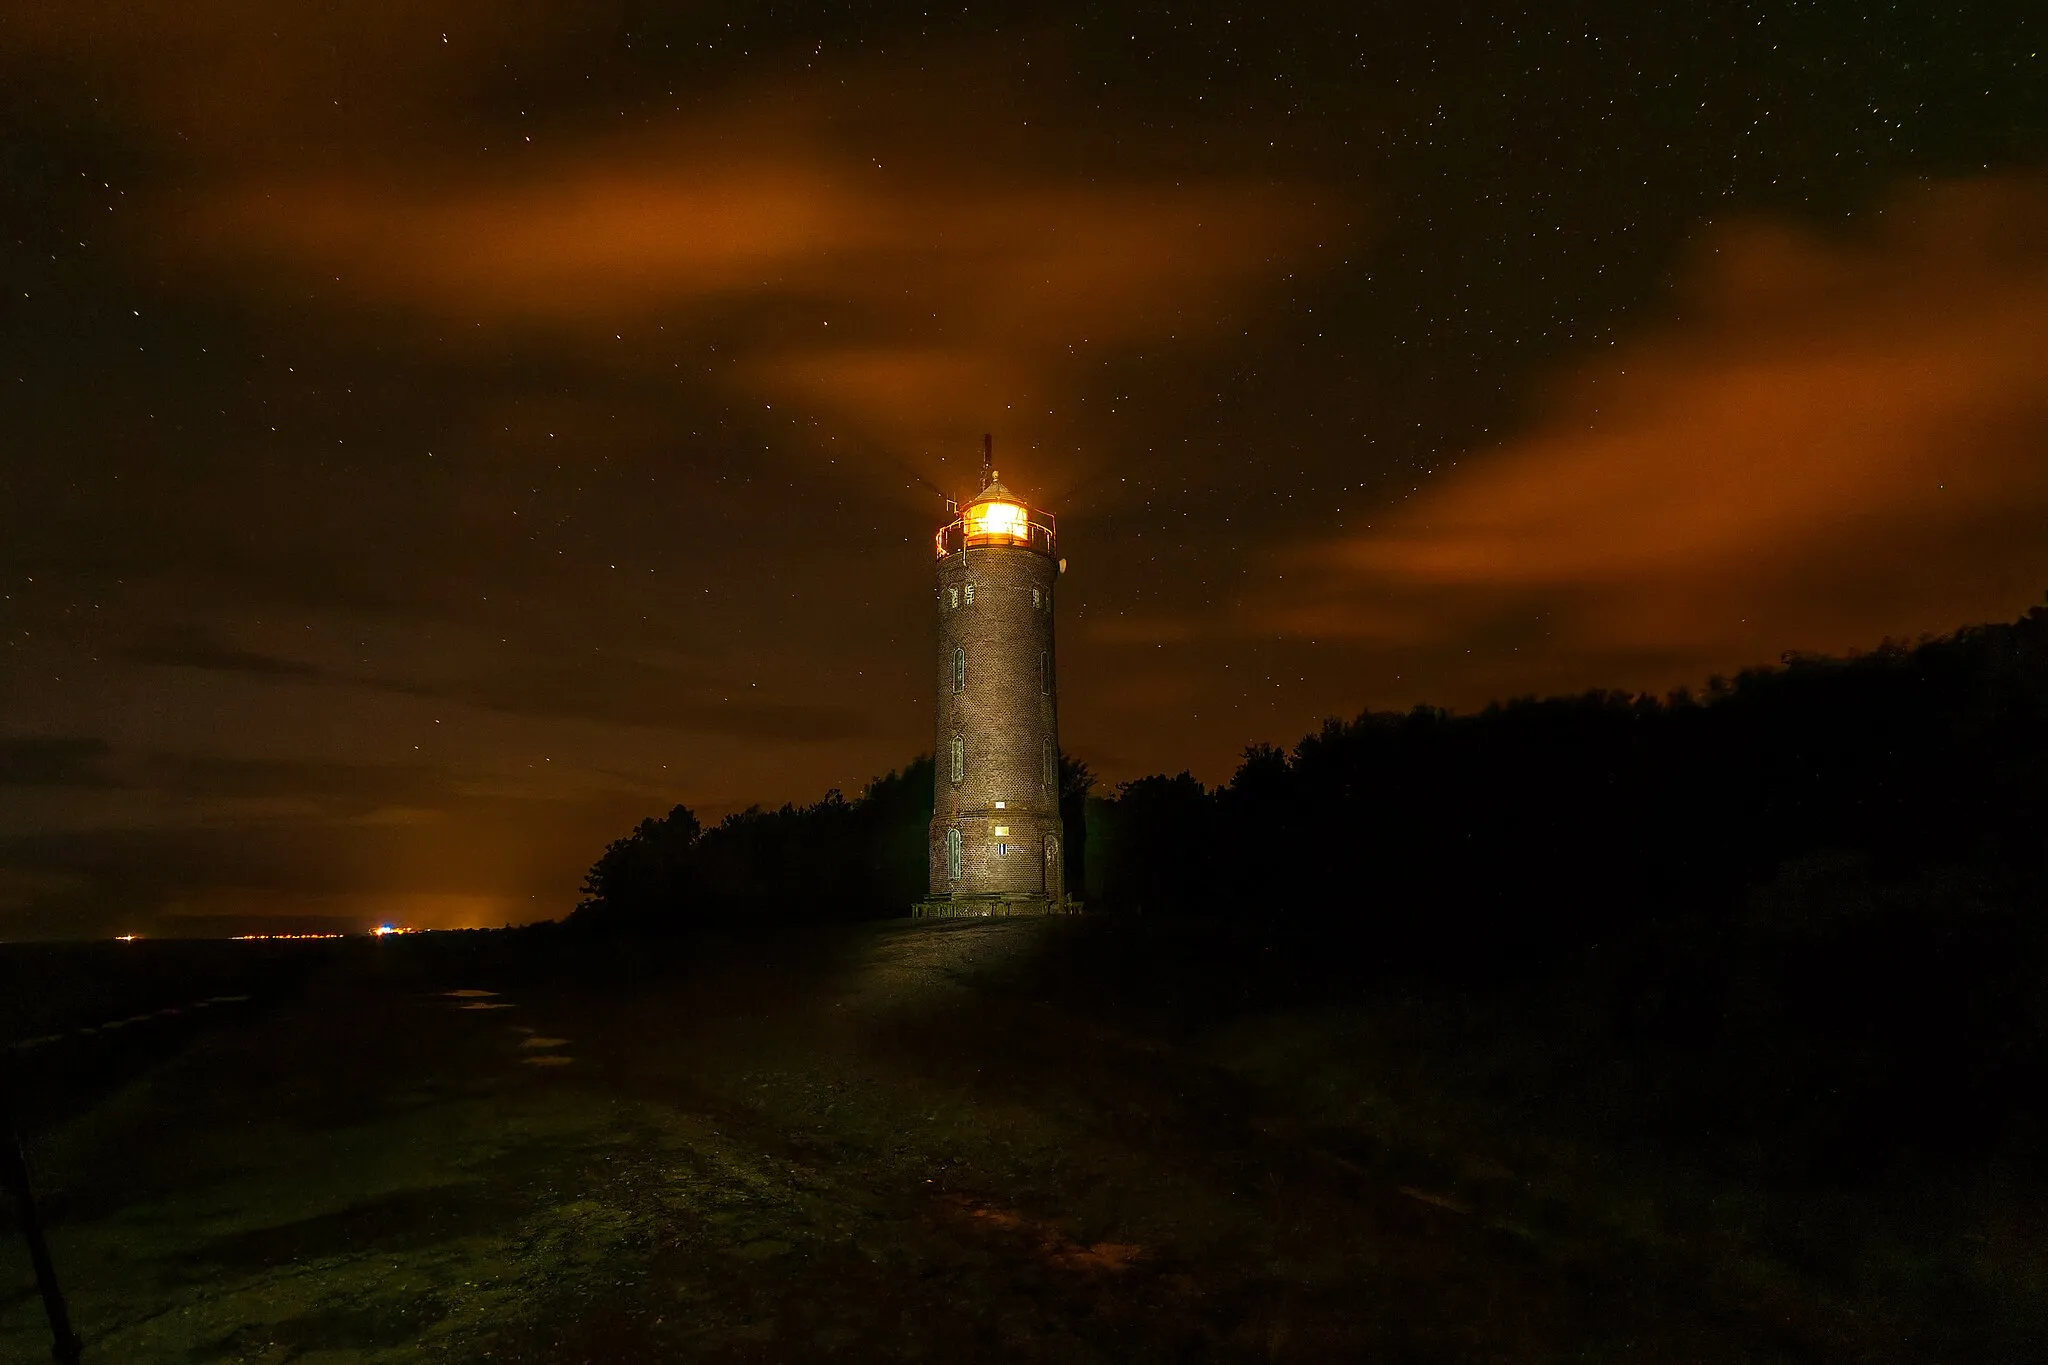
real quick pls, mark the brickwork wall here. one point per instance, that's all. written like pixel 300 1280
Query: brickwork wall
pixel 1006 718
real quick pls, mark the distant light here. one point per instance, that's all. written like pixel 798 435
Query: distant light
pixel 126 938
pixel 1002 831
pixel 999 805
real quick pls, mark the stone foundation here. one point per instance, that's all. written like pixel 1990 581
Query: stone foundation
pixel 990 906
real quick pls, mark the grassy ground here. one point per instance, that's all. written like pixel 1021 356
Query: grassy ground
pixel 895 1142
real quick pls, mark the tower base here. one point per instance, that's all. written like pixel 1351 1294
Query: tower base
pixel 991 905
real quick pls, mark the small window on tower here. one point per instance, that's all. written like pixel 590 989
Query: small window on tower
pixel 1034 597
pixel 1045 672
pixel 953 854
pixel 1052 768
pixel 959 757
pixel 969 590
pixel 959 670
pixel 1002 850
pixel 952 597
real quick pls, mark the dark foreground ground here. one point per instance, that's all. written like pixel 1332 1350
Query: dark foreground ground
pixel 907 1142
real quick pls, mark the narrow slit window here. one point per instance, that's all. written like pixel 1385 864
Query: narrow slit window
pixel 959 757
pixel 959 670
pixel 1052 770
pixel 1045 671
pixel 968 592
pixel 1034 597
pixel 952 597
pixel 953 854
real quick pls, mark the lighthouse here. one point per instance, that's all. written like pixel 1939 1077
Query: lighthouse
pixel 996 843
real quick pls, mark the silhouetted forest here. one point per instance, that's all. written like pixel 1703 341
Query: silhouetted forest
pixel 1537 825
pixel 1804 901
pixel 835 860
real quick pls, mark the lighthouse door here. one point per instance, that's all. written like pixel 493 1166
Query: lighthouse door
pixel 1055 888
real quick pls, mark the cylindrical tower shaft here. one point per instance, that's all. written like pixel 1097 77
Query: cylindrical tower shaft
pixel 996 842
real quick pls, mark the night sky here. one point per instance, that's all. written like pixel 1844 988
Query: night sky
pixel 436 435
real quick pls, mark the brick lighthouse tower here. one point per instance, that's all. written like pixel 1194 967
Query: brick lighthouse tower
pixel 996 843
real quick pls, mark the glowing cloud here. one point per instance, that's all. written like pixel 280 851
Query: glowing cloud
pixel 902 305
pixel 1846 439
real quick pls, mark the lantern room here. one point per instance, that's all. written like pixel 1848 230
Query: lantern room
pixel 996 518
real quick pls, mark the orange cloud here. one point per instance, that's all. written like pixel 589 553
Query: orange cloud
pixel 1846 439
pixel 910 309
pixel 889 253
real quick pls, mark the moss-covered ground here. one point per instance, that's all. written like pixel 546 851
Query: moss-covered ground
pixel 896 1142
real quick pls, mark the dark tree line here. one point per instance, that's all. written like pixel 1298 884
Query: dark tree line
pixel 835 860
pixel 1542 824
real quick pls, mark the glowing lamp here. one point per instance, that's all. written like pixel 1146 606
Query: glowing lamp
pixel 996 518
pixel 998 523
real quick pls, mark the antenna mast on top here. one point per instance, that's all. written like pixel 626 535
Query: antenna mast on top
pixel 988 458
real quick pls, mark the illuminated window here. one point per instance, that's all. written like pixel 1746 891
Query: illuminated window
pixel 969 593
pixel 952 597
pixel 959 670
pixel 959 757
pixel 1002 831
pixel 1034 597
pixel 953 854
pixel 1002 850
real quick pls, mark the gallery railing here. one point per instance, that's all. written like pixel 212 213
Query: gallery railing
pixel 1037 532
